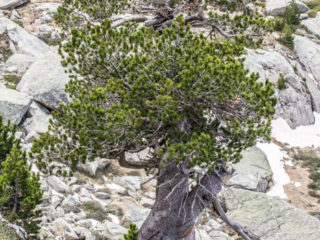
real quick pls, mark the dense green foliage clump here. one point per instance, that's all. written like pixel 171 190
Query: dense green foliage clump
pixel 281 84
pixel 287 37
pixel 132 233
pixel 7 139
pixel 176 92
pixel 288 24
pixel 20 190
pixel 78 12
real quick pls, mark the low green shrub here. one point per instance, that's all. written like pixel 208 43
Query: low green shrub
pixel 291 14
pixel 20 191
pixel 11 78
pixel 132 233
pixel 287 37
pixel 312 13
pixel 281 84
pixel 95 210
pixel 18 22
pixel 313 4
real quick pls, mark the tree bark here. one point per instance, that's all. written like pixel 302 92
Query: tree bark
pixel 15 200
pixel 177 208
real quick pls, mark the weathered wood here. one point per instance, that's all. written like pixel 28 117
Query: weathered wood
pixel 176 208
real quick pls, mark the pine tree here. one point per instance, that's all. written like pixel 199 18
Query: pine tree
pixel 132 233
pixel 187 99
pixel 19 190
pixel 7 139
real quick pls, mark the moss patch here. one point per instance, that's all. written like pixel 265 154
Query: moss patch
pixel 12 80
pixel 7 233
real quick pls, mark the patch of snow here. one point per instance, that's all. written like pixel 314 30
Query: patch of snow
pixel 302 136
pixel 289 163
pixel 280 177
pixel 297 184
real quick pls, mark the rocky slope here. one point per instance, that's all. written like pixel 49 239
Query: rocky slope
pixel 102 199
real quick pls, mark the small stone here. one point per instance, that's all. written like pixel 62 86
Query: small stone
pixel 45 28
pixel 103 195
pixel 60 211
pixel 55 200
pixel 113 218
pixel 116 188
pixel 71 204
pixel 15 15
pixel 147 203
pixel 131 182
pixel 276 35
pixel 114 231
pixel 84 192
pixel 84 233
pixel 12 69
pixel 46 18
pixel 38 21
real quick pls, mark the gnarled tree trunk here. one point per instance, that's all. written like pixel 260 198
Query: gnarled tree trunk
pixel 177 207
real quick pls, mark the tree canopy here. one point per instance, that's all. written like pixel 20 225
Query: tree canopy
pixel 184 98
pixel 175 92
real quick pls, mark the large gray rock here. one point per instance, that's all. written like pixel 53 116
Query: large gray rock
pixel 130 182
pixel 115 188
pixel 48 7
pixel 13 105
pixel 37 121
pixel 6 4
pixel 309 55
pixel 91 167
pixel 269 64
pixel 270 218
pixel 294 104
pixel 216 235
pixel 134 214
pixel 45 81
pixel 314 91
pixel 21 61
pixel 295 107
pixel 253 172
pixel 312 25
pixel 25 42
pixel 56 184
pixel 277 7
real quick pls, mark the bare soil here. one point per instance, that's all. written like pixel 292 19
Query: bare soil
pixel 298 195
